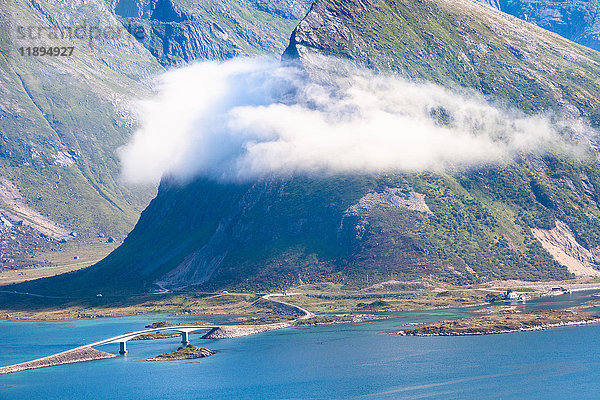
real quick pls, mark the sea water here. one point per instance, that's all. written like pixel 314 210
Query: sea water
pixel 344 361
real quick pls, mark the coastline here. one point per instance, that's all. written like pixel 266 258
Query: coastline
pixel 530 290
pixel 499 332
pixel 179 314
pixel 498 323
pixel 466 326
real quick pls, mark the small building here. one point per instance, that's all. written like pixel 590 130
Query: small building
pixel 510 295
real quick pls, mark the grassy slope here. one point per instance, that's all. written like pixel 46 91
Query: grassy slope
pixel 78 106
pixel 54 106
pixel 278 234
pixel 460 43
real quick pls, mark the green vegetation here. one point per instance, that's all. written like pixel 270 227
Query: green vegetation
pixel 62 119
pixel 184 353
pixel 278 234
pixel 282 234
pixel 267 320
pixel 66 307
pixel 161 324
pixel 499 323
pixel 392 301
pixel 156 336
pixel 458 43
pixel 374 306
pixel 321 301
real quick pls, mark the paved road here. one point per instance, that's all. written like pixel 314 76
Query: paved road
pixel 307 314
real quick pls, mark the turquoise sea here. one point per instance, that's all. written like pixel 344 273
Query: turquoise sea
pixel 342 361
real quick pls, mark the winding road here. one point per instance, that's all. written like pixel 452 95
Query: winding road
pixel 307 314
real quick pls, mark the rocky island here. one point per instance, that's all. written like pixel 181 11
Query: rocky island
pixel 184 353
pixel 504 323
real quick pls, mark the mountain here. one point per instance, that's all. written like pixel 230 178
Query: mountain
pixel 62 118
pixel 533 218
pixel 181 31
pixel 578 21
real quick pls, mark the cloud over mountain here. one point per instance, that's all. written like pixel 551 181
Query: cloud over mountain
pixel 247 118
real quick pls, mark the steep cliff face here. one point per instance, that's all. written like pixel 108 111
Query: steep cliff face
pixel 578 21
pixel 460 226
pixel 179 31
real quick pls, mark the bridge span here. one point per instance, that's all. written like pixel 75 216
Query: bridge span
pixel 88 353
pixel 184 330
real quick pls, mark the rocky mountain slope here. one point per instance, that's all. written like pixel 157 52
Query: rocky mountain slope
pixel 578 20
pixel 179 31
pixel 63 117
pixel 460 226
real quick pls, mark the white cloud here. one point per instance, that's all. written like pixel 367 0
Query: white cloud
pixel 248 118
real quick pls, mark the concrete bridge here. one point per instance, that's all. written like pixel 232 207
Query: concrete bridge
pixel 87 353
pixel 184 330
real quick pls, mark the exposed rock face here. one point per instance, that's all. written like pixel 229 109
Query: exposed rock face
pixel 578 21
pixel 492 42
pixel 561 243
pixel 19 213
pixel 63 118
pixel 394 197
pixel 178 32
pixel 493 3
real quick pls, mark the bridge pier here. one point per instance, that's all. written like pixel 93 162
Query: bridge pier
pixel 185 338
pixel 123 349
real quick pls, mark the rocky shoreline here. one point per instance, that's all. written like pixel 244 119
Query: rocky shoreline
pixel 184 353
pixel 80 354
pixel 233 331
pixel 504 323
